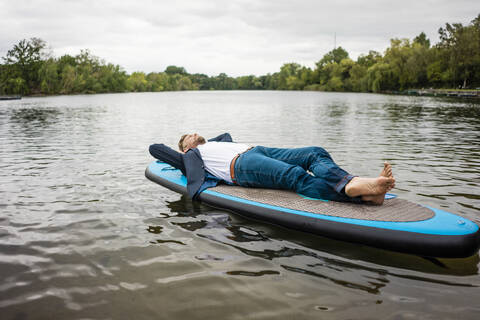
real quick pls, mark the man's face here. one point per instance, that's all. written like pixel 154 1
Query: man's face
pixel 192 140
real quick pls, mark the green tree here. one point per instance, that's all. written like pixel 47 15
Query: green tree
pixel 438 74
pixel 289 77
pixel 250 82
pixel 224 82
pixel 396 57
pixel 23 61
pixel 336 55
pixel 87 68
pixel 380 77
pixel 422 40
pixel 48 77
pixel 110 78
pixel 270 81
pixel 334 84
pixel 157 82
pixel 202 81
pixel 461 45
pixel 15 86
pixel 183 82
pixel 358 78
pixel 137 82
pixel 66 60
pixel 329 67
pixel 370 59
pixel 68 79
pixel 417 65
pixel 346 66
pixel 171 70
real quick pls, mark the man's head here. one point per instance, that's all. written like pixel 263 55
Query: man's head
pixel 189 141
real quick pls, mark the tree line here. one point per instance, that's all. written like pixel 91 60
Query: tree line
pixel 454 62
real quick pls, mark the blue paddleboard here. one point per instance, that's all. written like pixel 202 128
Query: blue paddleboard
pixel 397 225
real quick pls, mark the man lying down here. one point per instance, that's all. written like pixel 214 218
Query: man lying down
pixel 206 163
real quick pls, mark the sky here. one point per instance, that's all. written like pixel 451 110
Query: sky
pixel 237 37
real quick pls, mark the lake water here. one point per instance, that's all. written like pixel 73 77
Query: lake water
pixel 84 235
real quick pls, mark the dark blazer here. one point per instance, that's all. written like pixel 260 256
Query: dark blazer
pixel 190 163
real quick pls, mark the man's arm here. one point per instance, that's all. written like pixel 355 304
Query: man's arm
pixel 226 137
pixel 168 155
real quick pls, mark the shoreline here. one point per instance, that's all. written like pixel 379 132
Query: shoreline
pixel 441 93
pixel 452 93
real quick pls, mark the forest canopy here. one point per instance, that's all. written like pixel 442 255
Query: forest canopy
pixel 454 62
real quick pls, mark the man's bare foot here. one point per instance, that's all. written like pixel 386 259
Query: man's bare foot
pixel 380 198
pixel 369 186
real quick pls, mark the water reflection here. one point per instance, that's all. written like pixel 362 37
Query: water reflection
pixel 186 207
pixel 469 114
pixel 27 116
pixel 325 259
pixel 372 287
pixel 270 242
pixel 252 274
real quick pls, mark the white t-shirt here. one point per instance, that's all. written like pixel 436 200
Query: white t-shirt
pixel 218 155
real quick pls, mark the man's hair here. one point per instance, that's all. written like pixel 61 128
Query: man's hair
pixel 180 143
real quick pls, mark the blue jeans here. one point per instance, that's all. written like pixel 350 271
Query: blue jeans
pixel 277 168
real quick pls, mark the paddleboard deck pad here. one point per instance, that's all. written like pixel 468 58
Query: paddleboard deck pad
pixel 397 225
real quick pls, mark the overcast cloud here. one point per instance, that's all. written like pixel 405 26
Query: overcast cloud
pixel 238 37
